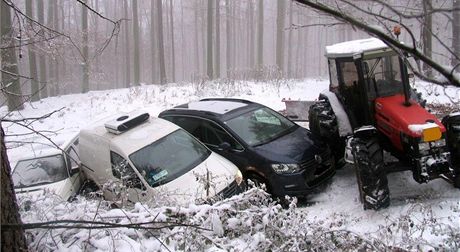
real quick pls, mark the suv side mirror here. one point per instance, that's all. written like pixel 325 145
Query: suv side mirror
pixel 225 146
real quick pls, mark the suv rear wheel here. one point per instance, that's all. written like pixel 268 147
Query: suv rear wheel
pixel 370 173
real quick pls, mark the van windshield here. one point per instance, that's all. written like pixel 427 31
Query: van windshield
pixel 169 157
pixel 39 171
pixel 260 126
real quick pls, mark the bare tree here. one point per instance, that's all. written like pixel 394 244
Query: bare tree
pixel 41 57
pixel 153 44
pixel 136 60
pixel 173 53
pixel 85 51
pixel 260 34
pixel 11 86
pixel 281 10
pixel 217 45
pixel 127 60
pixel 455 59
pixel 12 239
pixel 427 32
pixel 228 37
pixel 163 78
pixel 35 94
pixel 209 65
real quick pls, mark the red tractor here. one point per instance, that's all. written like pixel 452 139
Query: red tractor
pixel 370 113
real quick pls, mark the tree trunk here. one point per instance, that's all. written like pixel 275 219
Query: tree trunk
pixel 85 63
pixel 12 240
pixel 197 45
pixel 11 86
pixel 173 54
pixel 57 84
pixel 136 62
pixel 127 47
pixel 251 34
pixel 281 9
pixel 209 65
pixel 161 49
pixel 290 45
pixel 228 38
pixel 51 61
pixel 35 93
pixel 41 58
pixel 153 44
pixel 217 49
pixel 426 34
pixel 260 34
pixel 456 35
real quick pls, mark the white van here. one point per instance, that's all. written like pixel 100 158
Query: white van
pixel 133 157
pixel 44 168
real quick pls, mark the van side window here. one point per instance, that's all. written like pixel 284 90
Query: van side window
pixel 122 170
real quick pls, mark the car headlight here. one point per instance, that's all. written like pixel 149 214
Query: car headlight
pixel 238 177
pixel 285 168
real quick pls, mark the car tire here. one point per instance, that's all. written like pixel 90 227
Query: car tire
pixel 255 180
pixel 323 123
pixel 370 173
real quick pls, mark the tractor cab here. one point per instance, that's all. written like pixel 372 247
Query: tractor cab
pixel 361 71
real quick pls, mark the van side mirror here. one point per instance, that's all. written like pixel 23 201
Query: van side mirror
pixel 75 169
pixel 411 75
pixel 225 146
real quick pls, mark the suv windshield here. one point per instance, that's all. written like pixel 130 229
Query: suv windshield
pixel 169 157
pixel 260 126
pixel 39 171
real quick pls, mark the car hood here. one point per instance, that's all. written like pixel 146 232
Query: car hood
pixel 291 148
pixel 202 182
pixel 62 189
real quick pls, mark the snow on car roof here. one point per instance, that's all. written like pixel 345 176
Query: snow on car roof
pixel 216 106
pixel 350 48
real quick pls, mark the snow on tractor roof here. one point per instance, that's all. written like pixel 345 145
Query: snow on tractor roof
pixel 350 48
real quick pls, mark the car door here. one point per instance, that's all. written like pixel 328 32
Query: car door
pixel 128 187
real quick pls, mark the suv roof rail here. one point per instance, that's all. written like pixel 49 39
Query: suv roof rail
pixel 228 99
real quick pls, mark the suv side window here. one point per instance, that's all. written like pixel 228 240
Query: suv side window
pixel 215 135
pixel 206 131
pixel 123 171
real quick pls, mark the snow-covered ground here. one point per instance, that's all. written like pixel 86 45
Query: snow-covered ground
pixel 421 217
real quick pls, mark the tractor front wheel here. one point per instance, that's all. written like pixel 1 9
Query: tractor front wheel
pixel 370 173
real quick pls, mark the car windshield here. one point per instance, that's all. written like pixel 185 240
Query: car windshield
pixel 39 171
pixel 169 158
pixel 260 126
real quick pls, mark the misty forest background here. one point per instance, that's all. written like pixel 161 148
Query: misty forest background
pixel 73 46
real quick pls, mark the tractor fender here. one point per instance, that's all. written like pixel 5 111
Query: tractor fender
pixel 342 117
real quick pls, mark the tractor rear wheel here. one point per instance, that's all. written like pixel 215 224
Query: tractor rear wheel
pixel 370 173
pixel 323 123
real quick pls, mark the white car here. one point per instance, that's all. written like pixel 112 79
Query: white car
pixel 46 168
pixel 138 158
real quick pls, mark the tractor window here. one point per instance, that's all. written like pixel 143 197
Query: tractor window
pixel 383 75
pixel 349 74
pixel 333 74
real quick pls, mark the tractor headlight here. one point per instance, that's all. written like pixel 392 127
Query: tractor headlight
pixel 440 143
pixel 285 168
pixel 423 146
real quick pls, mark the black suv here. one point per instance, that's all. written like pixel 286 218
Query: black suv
pixel 267 147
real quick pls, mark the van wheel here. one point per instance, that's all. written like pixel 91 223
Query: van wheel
pixel 90 189
pixel 370 173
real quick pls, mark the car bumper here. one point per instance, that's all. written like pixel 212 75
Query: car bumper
pixel 300 184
